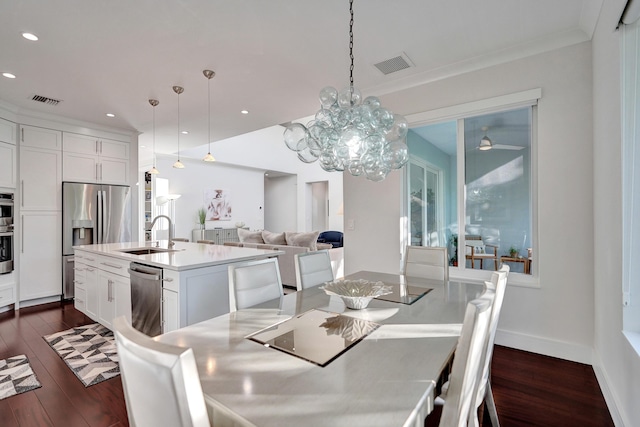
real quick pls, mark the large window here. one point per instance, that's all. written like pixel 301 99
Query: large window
pixel 475 171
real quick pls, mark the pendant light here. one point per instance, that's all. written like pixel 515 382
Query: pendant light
pixel 178 164
pixel 209 75
pixel 349 134
pixel 154 103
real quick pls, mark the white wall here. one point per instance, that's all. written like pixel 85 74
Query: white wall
pixel 280 203
pixel 265 149
pixel 557 317
pixel 246 188
pixel 616 363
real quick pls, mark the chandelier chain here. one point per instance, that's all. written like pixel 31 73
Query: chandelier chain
pixel 351 44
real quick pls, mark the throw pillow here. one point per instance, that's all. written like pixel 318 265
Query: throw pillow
pixel 302 239
pixel 247 236
pixel 273 238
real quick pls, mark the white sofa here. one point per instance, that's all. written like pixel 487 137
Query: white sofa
pixel 290 243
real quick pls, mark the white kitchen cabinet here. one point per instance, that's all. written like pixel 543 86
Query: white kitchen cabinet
pixel 113 289
pixel 40 260
pixel 8 153
pixel 91 279
pixel 105 287
pixel 36 137
pixel 80 298
pixel 8 131
pixel 8 289
pixel 40 179
pixel 7 165
pixel 91 159
pixel 201 294
pixel 86 284
pixel 170 310
pixel 79 285
pixel 114 298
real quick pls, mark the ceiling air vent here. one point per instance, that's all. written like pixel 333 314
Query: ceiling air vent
pixel 45 100
pixel 392 65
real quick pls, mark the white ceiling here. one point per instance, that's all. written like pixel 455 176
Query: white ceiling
pixel 270 57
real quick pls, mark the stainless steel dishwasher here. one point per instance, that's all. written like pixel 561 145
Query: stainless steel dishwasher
pixel 146 296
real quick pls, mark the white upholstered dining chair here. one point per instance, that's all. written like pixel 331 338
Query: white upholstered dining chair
pixel 468 361
pixel 426 262
pixel 254 282
pixel 498 284
pixel 160 381
pixel 312 269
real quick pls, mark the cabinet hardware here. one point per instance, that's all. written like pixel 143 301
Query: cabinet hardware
pixel 111 265
pixel 22 137
pixel 168 279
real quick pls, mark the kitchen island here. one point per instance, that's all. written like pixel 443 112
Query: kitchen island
pixel 193 283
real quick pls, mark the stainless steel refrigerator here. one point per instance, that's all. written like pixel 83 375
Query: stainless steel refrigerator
pixel 92 213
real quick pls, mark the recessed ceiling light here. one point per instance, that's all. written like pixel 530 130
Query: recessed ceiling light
pixel 9 75
pixel 110 115
pixel 245 111
pixel 185 132
pixel 30 36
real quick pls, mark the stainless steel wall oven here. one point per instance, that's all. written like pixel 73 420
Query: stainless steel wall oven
pixel 6 233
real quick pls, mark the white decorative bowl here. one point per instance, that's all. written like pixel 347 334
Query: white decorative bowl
pixel 239 224
pixel 356 294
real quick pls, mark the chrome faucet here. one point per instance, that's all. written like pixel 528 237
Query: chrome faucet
pixel 170 244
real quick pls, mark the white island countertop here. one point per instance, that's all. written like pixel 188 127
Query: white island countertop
pixel 184 255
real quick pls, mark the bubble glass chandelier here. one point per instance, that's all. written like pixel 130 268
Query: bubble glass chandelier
pixel 348 133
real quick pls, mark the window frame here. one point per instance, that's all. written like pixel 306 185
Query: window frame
pixel 528 98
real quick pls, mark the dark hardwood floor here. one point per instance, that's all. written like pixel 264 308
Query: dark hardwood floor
pixel 529 389
pixel 62 400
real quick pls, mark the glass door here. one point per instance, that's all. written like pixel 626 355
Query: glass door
pixel 425 204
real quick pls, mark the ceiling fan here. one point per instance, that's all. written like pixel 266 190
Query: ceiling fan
pixel 486 144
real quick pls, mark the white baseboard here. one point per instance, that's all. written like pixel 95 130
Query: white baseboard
pixel 560 349
pixel 609 396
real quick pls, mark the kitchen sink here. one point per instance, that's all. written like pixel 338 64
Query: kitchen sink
pixel 146 251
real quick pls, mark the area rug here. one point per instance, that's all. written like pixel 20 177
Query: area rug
pixel 16 376
pixel 89 351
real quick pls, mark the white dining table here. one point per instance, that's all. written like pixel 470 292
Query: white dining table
pixel 386 379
